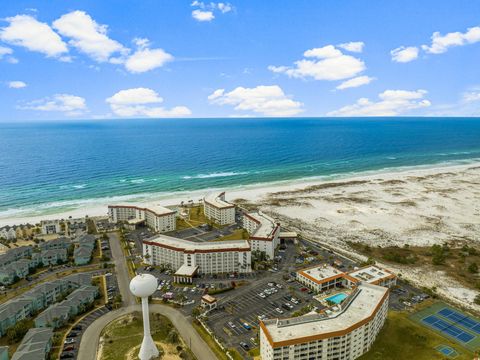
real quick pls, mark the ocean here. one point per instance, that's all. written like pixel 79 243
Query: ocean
pixel 51 167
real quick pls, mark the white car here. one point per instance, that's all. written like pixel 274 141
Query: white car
pixel 262 295
pixel 280 311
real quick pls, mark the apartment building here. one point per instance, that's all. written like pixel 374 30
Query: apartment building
pixel 264 232
pixel 344 333
pixel 188 258
pixel 50 227
pixel 217 209
pixel 36 344
pixel 158 218
pixel 374 275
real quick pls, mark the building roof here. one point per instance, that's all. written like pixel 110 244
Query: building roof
pixel 371 274
pixel 321 273
pixel 266 225
pixel 34 344
pixel 288 234
pixel 209 298
pixel 186 270
pixel 156 209
pixel 359 308
pixel 170 242
pixel 218 200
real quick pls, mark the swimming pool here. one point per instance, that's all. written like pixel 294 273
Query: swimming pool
pixel 337 298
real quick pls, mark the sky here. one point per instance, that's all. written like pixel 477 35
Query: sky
pixel 108 60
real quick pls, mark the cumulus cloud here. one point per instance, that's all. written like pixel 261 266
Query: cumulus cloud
pixel 353 46
pixel 201 15
pixel 404 54
pixel 265 100
pixel 355 82
pixel 142 102
pixel 5 51
pixel 16 84
pixel 69 104
pixel 26 31
pixel 205 11
pixel 87 35
pixel 325 63
pixel 146 59
pixel 441 43
pixel 391 103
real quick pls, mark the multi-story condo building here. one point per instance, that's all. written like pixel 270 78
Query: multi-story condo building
pixel 187 258
pixel 156 217
pixel 217 209
pixel 50 227
pixel 264 232
pixel 323 277
pixel 345 332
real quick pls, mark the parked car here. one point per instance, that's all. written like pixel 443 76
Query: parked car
pixel 244 346
pixel 280 311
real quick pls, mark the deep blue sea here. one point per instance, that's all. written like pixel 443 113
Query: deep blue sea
pixel 51 165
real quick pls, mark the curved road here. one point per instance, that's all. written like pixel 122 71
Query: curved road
pixel 90 339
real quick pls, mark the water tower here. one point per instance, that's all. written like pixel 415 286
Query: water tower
pixel 143 286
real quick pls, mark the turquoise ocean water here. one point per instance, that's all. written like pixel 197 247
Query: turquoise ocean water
pixel 52 166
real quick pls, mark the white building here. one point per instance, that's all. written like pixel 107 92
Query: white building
pixel 264 232
pixel 374 275
pixel 8 234
pixel 50 227
pixel 323 277
pixel 187 258
pixel 345 332
pixel 216 208
pixel 158 218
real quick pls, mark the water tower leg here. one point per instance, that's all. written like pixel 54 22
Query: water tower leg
pixel 148 350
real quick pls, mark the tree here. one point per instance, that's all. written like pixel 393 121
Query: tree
pixel 473 268
pixel 172 337
pixel 477 299
pixel 196 312
pixel 18 331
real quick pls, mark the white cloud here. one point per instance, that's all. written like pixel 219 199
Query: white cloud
pixel 329 63
pixel 205 11
pixel 441 43
pixel 471 96
pixel 26 31
pixel 16 84
pixel 391 103
pixel 147 59
pixel 353 46
pixel 265 100
pixel 404 54
pixel 201 15
pixel 88 36
pixel 142 102
pixel 5 51
pixel 69 104
pixel 355 82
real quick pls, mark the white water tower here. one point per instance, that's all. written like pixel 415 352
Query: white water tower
pixel 143 286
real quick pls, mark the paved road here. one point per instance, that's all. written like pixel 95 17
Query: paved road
pixel 90 339
pixel 123 278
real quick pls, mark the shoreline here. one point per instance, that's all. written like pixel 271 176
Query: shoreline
pixel 253 193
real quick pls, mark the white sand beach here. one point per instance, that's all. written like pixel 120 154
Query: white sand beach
pixel 416 206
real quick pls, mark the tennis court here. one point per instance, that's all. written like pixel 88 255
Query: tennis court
pixel 451 323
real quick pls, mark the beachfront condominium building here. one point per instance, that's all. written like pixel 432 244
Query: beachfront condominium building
pixel 324 277
pixel 156 217
pixel 217 209
pixel 345 332
pixel 264 232
pixel 188 258
pixel 50 227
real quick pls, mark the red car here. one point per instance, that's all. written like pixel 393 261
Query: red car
pixel 304 289
pixel 69 348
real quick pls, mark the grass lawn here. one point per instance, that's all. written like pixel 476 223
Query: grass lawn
pixel 124 335
pixel 237 234
pixel 211 343
pixel 401 338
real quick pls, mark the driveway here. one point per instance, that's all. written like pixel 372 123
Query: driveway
pixel 121 269
pixel 90 339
